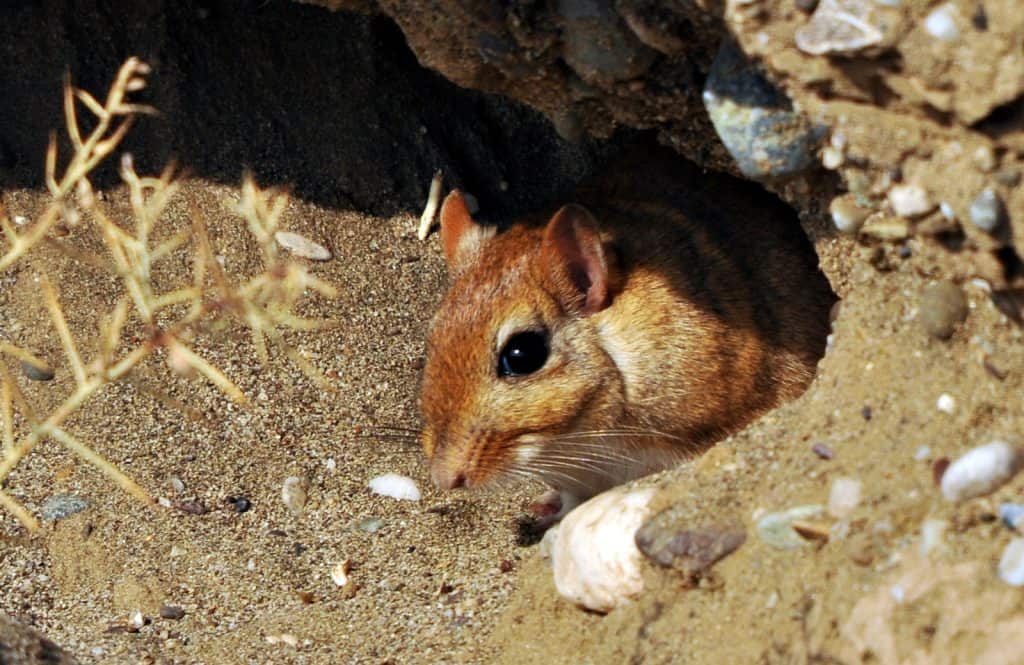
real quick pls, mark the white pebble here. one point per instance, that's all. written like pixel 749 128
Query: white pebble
pixel 20 220
pixel 595 559
pixel 909 200
pixel 897 593
pixel 941 24
pixel 303 247
pixel 1011 564
pixel 136 619
pixel 946 403
pixel 395 486
pixel 923 453
pixel 844 497
pixel 947 211
pixel 980 471
pixel 932 531
pixel 339 573
pixel 294 493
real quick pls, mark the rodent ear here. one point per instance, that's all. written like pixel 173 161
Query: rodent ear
pixel 577 260
pixel 461 237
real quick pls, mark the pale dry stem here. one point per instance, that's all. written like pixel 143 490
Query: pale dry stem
pixel 264 303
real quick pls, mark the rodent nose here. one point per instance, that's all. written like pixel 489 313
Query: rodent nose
pixel 448 480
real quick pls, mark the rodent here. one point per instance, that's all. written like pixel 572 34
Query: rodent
pixel 619 335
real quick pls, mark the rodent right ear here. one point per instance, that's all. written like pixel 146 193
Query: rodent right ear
pixel 461 237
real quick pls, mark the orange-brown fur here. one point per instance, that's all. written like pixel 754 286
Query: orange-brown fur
pixel 715 312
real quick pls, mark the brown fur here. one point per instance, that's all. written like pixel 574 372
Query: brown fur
pixel 675 317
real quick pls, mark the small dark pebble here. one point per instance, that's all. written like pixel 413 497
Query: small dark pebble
pixel 191 507
pixel 943 308
pixel 823 451
pixel 277 533
pixel 172 612
pixel 506 566
pixel 980 19
pixel 939 469
pixel 306 597
pixel 691 551
pixel 865 412
pixel 117 628
pixel 241 504
pixel 440 509
pixel 36 372
pixel 905 252
pixel 298 549
pixel 807 6
pixel 445 588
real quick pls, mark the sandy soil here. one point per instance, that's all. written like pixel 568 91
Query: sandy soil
pixel 443 579
pixel 429 580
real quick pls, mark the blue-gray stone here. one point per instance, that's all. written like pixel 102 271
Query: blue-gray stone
pixel 755 121
pixel 1012 515
pixel 598 45
pixel 62 505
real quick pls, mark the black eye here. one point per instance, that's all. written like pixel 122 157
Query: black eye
pixel 524 353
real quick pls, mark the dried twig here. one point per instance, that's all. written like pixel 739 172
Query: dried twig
pixel 264 303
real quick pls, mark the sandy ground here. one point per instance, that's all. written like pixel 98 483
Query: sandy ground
pixel 428 581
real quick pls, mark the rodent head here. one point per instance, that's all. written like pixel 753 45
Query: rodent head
pixel 514 357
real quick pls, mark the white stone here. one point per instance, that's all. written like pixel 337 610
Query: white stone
pixel 909 200
pixel 844 497
pixel 301 246
pixel 1011 564
pixel 946 404
pixel 595 560
pixel 339 572
pixel 941 24
pixel 395 486
pixel 932 531
pixel 980 471
pixel 294 493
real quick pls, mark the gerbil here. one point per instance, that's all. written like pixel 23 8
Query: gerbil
pixel 612 339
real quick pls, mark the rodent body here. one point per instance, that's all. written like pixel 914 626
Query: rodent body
pixel 605 342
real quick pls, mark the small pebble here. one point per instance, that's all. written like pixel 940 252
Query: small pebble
pixel 844 497
pixel 172 612
pixel 984 158
pixel 1011 563
pixel 294 493
pixel 946 404
pixel 370 524
pixel 301 246
pixel 941 24
pixel 987 211
pixel 846 214
pixel 62 505
pixel 339 573
pixel 932 531
pixel 241 504
pixel 886 228
pixel 776 529
pixel 943 308
pixel 947 211
pixel 1012 515
pixel 191 507
pixel 177 485
pixel 395 486
pixel 922 453
pixel 806 6
pixel 980 471
pixel 831 158
pixel 136 620
pixel 595 558
pixel 910 200
pixel 823 451
pixel 35 372
pixel 939 468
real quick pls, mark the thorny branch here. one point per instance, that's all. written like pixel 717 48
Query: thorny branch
pixel 264 303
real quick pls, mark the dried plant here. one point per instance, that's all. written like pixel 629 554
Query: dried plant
pixel 172 319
